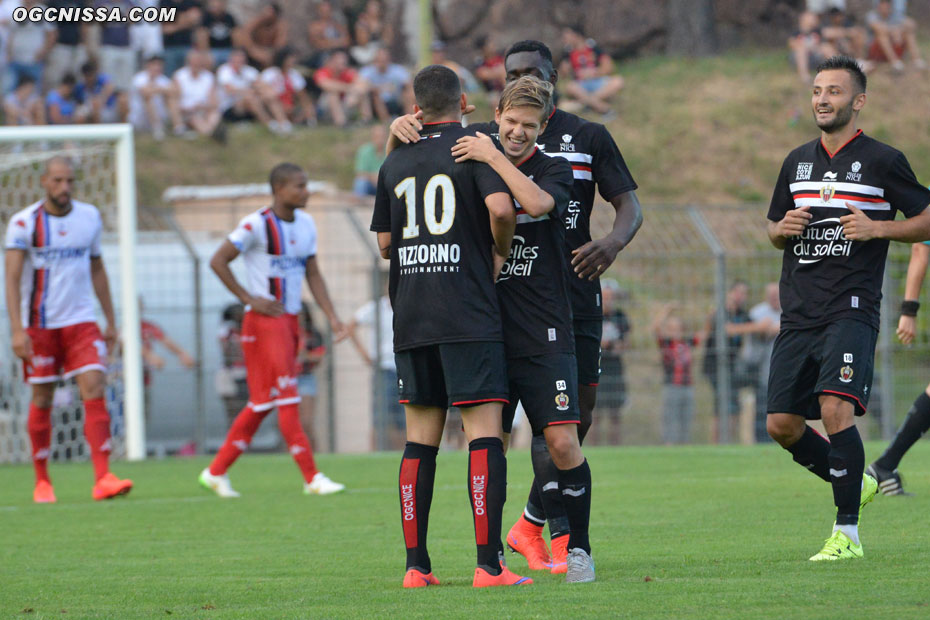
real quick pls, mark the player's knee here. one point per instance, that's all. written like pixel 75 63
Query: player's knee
pixel 42 401
pixel 782 430
pixel 564 448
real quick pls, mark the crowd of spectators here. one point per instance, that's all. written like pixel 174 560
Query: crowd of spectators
pixel 882 35
pixel 205 69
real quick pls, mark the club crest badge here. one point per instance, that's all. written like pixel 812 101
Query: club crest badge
pixel 826 193
pixel 846 373
pixel 561 401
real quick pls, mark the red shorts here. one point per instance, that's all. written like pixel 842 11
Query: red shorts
pixel 269 345
pixel 876 53
pixel 73 349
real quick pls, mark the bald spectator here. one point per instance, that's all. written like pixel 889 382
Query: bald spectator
pixel 199 101
pixel 154 100
pixel 343 92
pixel 265 35
pixel 895 35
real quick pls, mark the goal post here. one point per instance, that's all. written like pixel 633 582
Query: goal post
pixel 69 139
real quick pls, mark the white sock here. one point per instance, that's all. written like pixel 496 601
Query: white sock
pixel 851 531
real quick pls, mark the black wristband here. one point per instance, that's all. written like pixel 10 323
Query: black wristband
pixel 909 307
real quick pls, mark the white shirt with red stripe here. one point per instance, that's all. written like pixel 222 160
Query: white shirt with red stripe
pixel 55 287
pixel 275 254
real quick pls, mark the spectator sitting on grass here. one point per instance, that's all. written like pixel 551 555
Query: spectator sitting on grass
pixel 23 106
pixel 368 160
pixel 199 102
pixel 154 100
pixel 326 34
pixel 489 68
pixel 593 70
pixel 98 95
pixel 218 31
pixel 389 85
pixel 895 35
pixel 372 32
pixel 841 32
pixel 240 98
pixel 342 90
pixel 284 83
pixel 61 106
pixel 808 49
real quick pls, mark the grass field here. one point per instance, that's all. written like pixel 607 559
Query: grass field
pixel 702 532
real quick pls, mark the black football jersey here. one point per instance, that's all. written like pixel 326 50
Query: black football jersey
pixel 826 276
pixel 533 284
pixel 595 160
pixel 441 280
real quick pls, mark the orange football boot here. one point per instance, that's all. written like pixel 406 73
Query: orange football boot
pixel 560 555
pixel 110 486
pixel 44 493
pixel 484 579
pixel 526 539
pixel 416 579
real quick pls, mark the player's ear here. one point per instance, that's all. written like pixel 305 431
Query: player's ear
pixel 416 109
pixel 463 103
pixel 859 102
pixel 497 115
pixel 554 78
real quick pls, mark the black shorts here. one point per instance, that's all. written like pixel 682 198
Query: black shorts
pixel 231 115
pixel 460 374
pixel 547 385
pixel 835 359
pixel 588 350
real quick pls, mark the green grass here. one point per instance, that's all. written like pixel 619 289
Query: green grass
pixel 718 532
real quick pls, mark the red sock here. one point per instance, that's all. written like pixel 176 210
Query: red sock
pixel 40 435
pixel 296 439
pixel 97 432
pixel 237 439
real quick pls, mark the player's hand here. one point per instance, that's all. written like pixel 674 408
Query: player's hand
pixel 22 344
pixel 858 226
pixel 407 128
pixel 156 361
pixel 478 148
pixel 340 330
pixel 593 258
pixel 268 307
pixel 186 360
pixel 794 222
pixel 110 337
pixel 498 262
pixel 907 329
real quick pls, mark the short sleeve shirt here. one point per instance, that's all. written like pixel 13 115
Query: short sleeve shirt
pixel 825 276
pixel 185 37
pixel 441 282
pixel 533 284
pixel 55 288
pixel 275 252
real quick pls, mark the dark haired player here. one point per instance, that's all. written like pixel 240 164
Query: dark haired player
pixel 278 245
pixel 917 422
pixel 595 159
pixel 533 291
pixel 447 229
pixel 833 213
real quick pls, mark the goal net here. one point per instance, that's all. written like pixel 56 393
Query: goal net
pixel 102 157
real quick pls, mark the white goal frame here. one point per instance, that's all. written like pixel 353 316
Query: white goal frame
pixel 121 135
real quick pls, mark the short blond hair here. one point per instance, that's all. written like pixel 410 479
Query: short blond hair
pixel 527 91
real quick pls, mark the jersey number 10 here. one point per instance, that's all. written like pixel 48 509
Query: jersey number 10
pixel 407 190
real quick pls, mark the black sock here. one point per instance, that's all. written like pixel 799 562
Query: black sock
pixel 847 462
pixel 915 425
pixel 576 496
pixel 417 474
pixel 547 479
pixel 534 512
pixel 811 451
pixel 487 492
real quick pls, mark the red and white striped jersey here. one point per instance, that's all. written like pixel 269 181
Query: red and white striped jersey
pixel 275 253
pixel 55 287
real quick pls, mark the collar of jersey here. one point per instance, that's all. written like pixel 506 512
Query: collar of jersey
pixel 845 144
pixel 438 127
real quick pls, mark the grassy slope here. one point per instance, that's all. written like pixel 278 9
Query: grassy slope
pixel 721 532
pixel 706 131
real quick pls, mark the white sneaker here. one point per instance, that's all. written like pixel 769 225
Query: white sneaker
pixel 580 567
pixel 322 485
pixel 218 484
